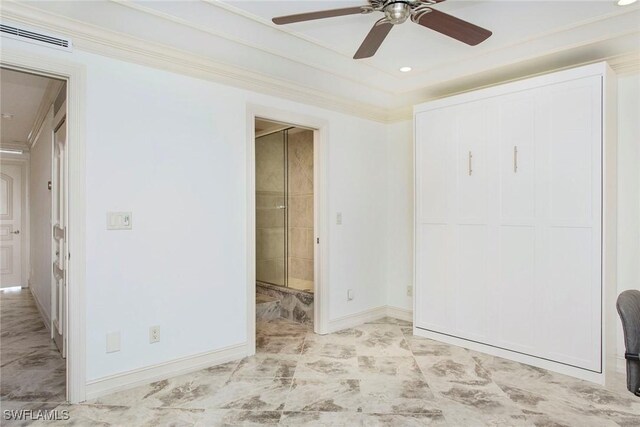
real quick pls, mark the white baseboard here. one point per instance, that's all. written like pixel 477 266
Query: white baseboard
pixel 621 364
pixel 161 371
pixel 400 313
pixel 372 314
pixel 357 319
pixel 45 318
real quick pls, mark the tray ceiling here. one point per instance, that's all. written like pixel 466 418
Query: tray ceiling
pixel 528 37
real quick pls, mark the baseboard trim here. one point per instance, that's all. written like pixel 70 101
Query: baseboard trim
pixel 45 319
pixel 356 319
pixel 161 371
pixel 400 313
pixel 370 315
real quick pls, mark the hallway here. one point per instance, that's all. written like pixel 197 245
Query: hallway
pixel 33 372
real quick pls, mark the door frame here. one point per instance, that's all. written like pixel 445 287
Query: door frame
pixel 74 74
pixel 320 218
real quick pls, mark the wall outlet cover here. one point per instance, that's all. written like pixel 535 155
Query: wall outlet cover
pixel 154 334
pixel 113 342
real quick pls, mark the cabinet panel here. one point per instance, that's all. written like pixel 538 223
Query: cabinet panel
pixel 471 290
pixel 571 112
pixel 517 156
pixel 434 286
pixel 571 299
pixel 472 162
pixel 434 127
pixel 516 290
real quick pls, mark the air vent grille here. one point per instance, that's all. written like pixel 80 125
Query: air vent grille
pixel 22 34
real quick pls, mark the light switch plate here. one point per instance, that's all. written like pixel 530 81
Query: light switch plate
pixel 339 218
pixel 118 220
pixel 113 342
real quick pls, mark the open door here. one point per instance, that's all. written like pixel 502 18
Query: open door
pixel 59 297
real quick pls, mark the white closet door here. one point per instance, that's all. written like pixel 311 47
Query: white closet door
pixel 471 284
pixel 436 189
pixel 515 293
pixel 570 196
pixel 470 126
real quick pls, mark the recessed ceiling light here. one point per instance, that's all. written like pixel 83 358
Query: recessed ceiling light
pixel 405 69
pixel 7 116
pixel 626 2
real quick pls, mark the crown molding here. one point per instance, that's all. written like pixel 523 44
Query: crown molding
pixel 625 64
pixel 97 40
pixel 93 39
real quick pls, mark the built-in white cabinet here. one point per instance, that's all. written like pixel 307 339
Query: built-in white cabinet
pixel 514 221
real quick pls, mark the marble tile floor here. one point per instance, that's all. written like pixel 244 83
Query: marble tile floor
pixel 32 371
pixel 376 374
pixel 267 307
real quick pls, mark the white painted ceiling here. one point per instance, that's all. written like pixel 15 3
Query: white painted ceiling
pixel 528 37
pixel 20 95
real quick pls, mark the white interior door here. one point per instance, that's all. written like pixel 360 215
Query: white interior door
pixel 11 225
pixel 59 241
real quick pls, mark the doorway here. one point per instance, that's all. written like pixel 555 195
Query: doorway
pixel 284 206
pixel 34 194
pixel 284 222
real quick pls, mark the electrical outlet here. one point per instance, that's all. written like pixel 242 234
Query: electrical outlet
pixel 409 290
pixel 339 218
pixel 349 294
pixel 113 342
pixel 154 334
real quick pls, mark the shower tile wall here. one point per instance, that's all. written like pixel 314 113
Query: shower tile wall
pixel 300 203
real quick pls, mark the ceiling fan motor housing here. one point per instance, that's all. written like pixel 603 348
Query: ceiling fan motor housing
pixel 397 11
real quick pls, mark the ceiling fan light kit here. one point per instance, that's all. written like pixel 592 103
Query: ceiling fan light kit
pixel 396 12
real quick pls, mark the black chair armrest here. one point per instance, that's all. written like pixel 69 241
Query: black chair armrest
pixel 632 356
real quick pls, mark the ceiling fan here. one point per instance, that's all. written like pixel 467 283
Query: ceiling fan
pixel 397 12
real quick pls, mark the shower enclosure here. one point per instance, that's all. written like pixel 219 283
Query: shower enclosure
pixel 284 208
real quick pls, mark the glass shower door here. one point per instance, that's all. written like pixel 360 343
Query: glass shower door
pixel 271 208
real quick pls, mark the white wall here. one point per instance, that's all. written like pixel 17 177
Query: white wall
pixel 628 187
pixel 171 149
pixel 400 214
pixel 40 218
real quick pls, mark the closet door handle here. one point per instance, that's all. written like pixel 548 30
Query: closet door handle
pixel 515 159
pixel 470 163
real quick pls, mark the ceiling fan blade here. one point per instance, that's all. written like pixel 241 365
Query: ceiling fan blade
pixel 373 40
pixel 453 27
pixel 289 19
